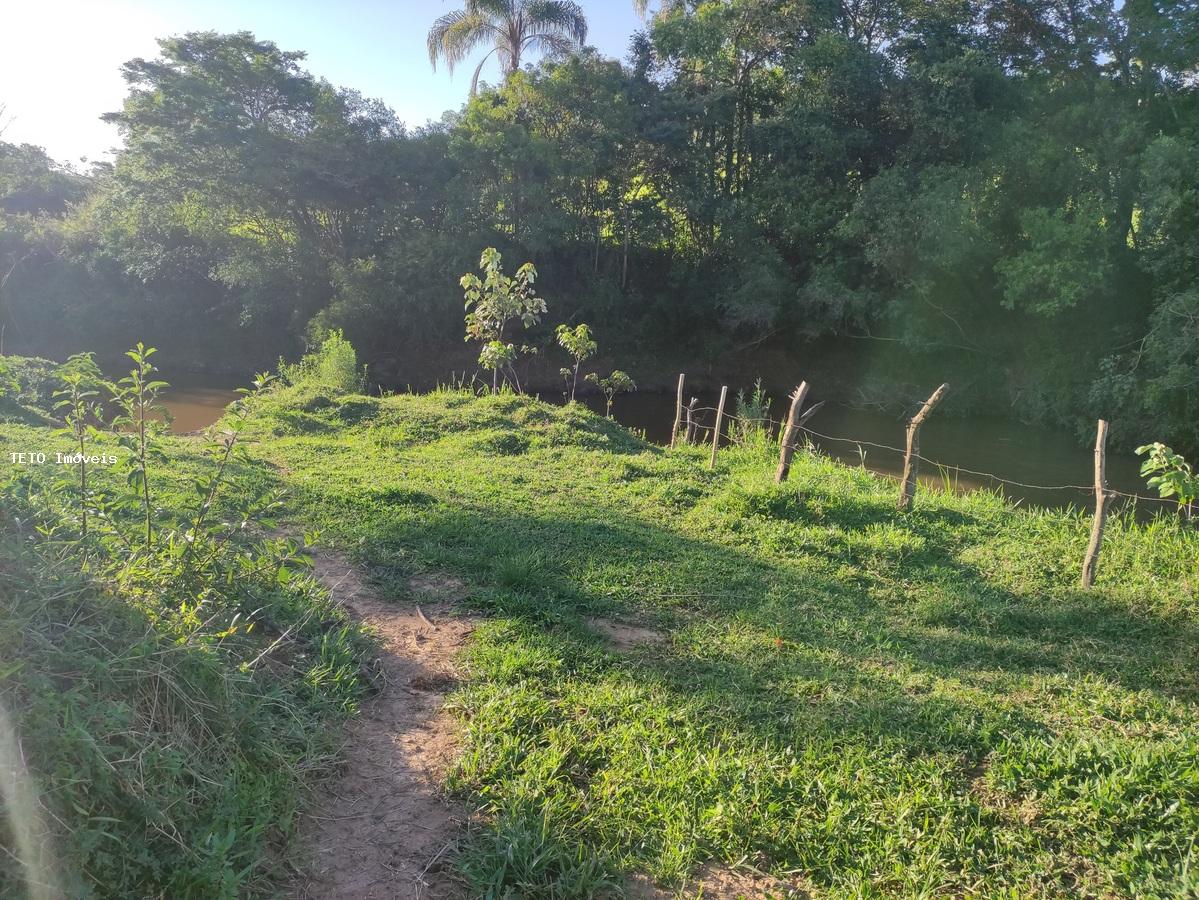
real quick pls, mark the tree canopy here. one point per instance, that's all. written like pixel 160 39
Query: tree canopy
pixel 998 194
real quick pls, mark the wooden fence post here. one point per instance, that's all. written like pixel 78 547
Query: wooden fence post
pixel 678 413
pixel 724 392
pixel 1091 561
pixel 790 433
pixel 689 433
pixel 911 454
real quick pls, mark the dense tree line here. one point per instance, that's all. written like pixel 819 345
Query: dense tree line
pixel 1004 193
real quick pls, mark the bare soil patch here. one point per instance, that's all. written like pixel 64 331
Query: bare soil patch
pixel 626 635
pixel 382 828
pixel 714 882
pixel 434 586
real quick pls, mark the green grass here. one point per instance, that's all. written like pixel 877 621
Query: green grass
pixel 868 702
pixel 166 749
pixel 864 702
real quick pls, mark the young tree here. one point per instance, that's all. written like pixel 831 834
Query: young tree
pixel 511 27
pixel 614 384
pixel 494 301
pixel 579 343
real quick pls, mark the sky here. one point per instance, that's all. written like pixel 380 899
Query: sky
pixel 60 59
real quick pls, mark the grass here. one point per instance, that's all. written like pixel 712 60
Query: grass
pixel 862 702
pixel 162 748
pixel 865 702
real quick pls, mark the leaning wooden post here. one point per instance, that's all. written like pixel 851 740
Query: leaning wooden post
pixel 791 433
pixel 724 392
pixel 689 433
pixel 1091 561
pixel 911 454
pixel 678 413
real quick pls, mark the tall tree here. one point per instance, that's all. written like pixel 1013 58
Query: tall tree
pixel 511 28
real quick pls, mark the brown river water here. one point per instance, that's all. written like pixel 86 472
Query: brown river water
pixel 1050 468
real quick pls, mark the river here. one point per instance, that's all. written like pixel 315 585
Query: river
pixel 1049 467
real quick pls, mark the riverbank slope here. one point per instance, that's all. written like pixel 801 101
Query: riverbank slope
pixel 681 673
pixel 681 668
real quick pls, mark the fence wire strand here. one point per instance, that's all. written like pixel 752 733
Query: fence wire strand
pixel 1078 488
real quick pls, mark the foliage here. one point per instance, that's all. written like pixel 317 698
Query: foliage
pixel 611 385
pixel 492 303
pixel 581 346
pixel 333 366
pixel 753 414
pixel 173 689
pixel 1172 474
pixel 511 27
pixel 997 195
pixel 141 420
pixel 81 409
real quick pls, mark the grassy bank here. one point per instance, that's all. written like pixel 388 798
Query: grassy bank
pixel 860 701
pixel 162 707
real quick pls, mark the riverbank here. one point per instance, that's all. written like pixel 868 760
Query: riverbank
pixel 679 671
pixel 1040 467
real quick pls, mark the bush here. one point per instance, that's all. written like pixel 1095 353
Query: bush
pixel 26 388
pixel 333 367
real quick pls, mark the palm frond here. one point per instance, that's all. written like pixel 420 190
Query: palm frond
pixel 563 18
pixel 454 35
pixel 474 81
pixel 493 9
pixel 551 44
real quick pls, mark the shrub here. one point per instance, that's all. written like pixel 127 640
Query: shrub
pixel 753 415
pixel 333 367
pixel 1172 475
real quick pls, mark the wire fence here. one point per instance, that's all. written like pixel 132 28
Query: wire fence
pixel 770 423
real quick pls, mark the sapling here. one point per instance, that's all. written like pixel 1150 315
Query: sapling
pixel 78 401
pixel 492 302
pixel 1172 475
pixel 580 344
pixel 612 385
pixel 222 445
pixel 141 416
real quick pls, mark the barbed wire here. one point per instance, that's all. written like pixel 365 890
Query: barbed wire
pixel 1078 488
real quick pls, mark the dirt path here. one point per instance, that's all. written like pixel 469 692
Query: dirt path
pixel 381 829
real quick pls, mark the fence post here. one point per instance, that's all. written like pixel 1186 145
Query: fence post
pixel 678 413
pixel 911 454
pixel 790 433
pixel 689 434
pixel 1091 561
pixel 724 392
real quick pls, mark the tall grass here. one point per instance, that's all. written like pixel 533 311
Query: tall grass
pixel 333 366
pixel 170 698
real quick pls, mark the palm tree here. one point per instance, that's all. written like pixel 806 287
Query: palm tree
pixel 510 28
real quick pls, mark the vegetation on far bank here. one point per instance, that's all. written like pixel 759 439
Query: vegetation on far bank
pixel 997 194
pixel 860 701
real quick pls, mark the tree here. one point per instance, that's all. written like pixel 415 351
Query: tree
pixel 579 343
pixel 511 28
pixel 494 301
pixel 611 385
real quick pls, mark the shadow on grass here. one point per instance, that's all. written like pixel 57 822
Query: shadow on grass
pixel 960 622
pixel 867 629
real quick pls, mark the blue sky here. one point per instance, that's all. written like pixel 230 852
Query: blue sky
pixel 60 59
